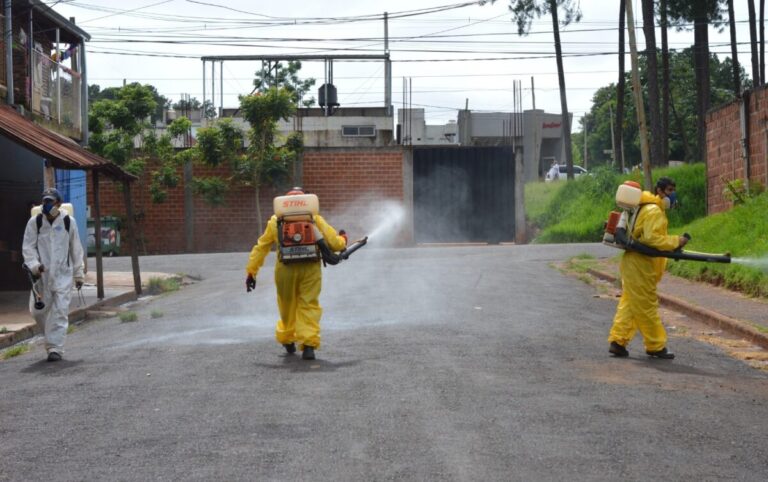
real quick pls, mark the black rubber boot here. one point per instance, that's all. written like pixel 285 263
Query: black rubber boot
pixel 617 350
pixel 308 353
pixel 290 348
pixel 54 356
pixel 663 353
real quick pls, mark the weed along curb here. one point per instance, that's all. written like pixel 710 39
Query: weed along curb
pixel 712 318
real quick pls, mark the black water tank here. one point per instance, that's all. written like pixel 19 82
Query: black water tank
pixel 333 100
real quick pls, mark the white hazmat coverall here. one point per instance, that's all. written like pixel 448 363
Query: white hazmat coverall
pixel 61 253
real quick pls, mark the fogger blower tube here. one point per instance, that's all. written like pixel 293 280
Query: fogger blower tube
pixel 620 224
pixel 39 304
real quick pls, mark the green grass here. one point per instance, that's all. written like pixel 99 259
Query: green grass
pixel 163 285
pixel 156 314
pixel 128 316
pixel 15 351
pixel 743 232
pixel 575 211
pixel 71 328
pixel 3 329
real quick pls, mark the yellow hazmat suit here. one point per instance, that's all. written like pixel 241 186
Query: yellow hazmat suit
pixel 298 286
pixel 639 305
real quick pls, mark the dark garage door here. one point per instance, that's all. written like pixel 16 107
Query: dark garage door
pixel 463 194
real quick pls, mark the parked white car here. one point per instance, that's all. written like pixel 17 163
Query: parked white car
pixel 577 171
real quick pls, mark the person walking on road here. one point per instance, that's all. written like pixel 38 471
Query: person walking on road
pixel 52 251
pixel 639 304
pixel 298 275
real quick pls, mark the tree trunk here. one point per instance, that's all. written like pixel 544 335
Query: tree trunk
pixel 734 51
pixel 762 41
pixel 701 67
pixel 753 43
pixel 259 221
pixel 654 114
pixel 620 87
pixel 687 155
pixel 566 122
pixel 664 81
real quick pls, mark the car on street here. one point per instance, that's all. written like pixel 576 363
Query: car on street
pixel 577 171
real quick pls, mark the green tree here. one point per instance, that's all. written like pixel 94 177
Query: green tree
pixel 121 131
pixel 285 76
pixel 701 13
pixel 683 106
pixel 266 161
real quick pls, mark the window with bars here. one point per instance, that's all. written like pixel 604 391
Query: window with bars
pixel 358 131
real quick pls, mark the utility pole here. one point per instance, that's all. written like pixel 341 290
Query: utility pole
pixel 639 107
pixel 613 140
pixel 585 141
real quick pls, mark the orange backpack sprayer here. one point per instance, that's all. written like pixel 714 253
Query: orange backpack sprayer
pixel 620 224
pixel 299 239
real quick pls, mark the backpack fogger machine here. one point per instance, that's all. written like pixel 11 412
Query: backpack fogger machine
pixel 299 239
pixel 620 224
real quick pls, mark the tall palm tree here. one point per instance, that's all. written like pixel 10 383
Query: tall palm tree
pixel 654 114
pixel 664 80
pixel 620 88
pixel 756 80
pixel 734 51
pixel 523 12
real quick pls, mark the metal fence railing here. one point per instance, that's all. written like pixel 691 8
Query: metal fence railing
pixel 56 92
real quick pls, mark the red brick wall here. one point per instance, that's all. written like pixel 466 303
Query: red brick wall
pixel 350 184
pixel 724 160
pixel 353 185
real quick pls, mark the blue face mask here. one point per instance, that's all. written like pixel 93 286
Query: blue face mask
pixel 672 199
pixel 47 208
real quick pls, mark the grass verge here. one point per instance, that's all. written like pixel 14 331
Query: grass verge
pixel 15 351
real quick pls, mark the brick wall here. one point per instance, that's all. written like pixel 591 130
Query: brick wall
pixel 724 159
pixel 351 185
pixel 355 186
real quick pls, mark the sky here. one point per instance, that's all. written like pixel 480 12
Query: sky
pixel 441 47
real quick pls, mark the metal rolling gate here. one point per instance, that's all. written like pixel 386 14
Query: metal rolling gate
pixel 463 194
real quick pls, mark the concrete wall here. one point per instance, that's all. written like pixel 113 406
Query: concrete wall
pixel 725 161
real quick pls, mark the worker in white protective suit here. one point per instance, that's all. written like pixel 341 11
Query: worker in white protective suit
pixel 52 251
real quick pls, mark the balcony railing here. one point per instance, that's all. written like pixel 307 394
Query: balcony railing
pixel 56 94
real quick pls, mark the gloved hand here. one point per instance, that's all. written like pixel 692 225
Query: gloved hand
pixel 343 234
pixel 250 283
pixel 79 282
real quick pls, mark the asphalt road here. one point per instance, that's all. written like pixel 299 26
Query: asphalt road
pixel 449 363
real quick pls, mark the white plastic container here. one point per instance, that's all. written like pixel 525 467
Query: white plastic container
pixel 67 208
pixel 297 207
pixel 628 195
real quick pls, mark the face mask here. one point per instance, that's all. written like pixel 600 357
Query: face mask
pixel 47 208
pixel 672 199
pixel 54 211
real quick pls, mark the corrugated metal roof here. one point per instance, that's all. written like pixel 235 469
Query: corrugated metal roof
pixel 60 151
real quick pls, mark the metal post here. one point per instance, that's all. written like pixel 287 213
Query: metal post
pixel 613 139
pixel 387 68
pixel 189 208
pixel 213 87
pixel 58 76
pixel 520 234
pixel 221 88
pixel 97 236
pixel 201 119
pixel 8 35
pixel 132 237
pixel 585 142
pixel 84 96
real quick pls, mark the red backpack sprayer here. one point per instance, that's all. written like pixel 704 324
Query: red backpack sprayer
pixel 620 224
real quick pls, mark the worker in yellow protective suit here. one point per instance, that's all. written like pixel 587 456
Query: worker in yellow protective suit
pixel 639 304
pixel 298 287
